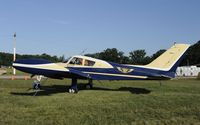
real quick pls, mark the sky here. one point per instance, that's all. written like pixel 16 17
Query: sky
pixel 68 27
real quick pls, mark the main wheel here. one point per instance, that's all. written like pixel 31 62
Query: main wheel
pixel 89 86
pixel 71 90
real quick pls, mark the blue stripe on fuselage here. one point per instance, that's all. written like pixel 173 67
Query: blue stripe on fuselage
pixel 148 71
pixel 106 77
pixel 137 71
pixel 106 73
pixel 32 61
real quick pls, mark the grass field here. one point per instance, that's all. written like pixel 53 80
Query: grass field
pixel 176 102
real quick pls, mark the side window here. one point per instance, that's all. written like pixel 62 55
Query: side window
pixel 76 61
pixel 89 63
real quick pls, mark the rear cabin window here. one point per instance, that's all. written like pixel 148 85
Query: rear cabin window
pixel 89 63
pixel 76 61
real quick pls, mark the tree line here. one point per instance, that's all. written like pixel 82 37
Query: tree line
pixel 140 57
pixel 192 56
pixel 6 59
pixel 136 57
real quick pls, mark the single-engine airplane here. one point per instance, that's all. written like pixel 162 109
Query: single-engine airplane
pixel 83 67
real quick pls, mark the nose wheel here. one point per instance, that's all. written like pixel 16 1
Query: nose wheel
pixel 36 85
pixel 37 82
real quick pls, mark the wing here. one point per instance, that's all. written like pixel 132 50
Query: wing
pixel 48 69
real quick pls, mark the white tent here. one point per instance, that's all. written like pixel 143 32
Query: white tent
pixel 189 71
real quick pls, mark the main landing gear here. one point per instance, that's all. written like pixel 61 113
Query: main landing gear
pixel 90 84
pixel 74 87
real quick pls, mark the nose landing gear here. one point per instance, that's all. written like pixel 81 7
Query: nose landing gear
pixel 37 82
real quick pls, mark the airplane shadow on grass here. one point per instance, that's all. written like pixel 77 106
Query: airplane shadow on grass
pixel 54 89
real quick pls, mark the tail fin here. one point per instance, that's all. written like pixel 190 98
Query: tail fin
pixel 170 59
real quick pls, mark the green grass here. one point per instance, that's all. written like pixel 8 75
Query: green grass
pixel 119 103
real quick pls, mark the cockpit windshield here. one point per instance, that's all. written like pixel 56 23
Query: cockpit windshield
pixel 76 61
pixel 65 61
pixel 79 61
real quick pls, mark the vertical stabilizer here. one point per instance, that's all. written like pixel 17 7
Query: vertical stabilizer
pixel 170 59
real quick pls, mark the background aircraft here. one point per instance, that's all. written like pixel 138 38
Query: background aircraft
pixel 83 67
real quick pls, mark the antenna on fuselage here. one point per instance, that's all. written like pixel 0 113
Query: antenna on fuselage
pixel 175 44
pixel 83 52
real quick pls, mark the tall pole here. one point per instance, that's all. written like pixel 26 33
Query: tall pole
pixel 14 52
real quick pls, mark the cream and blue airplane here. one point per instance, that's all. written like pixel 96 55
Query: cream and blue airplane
pixel 83 67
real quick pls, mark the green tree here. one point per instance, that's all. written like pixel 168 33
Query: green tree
pixel 6 59
pixel 61 58
pixel 139 57
pixel 95 55
pixel 110 54
pixel 125 60
pixel 192 56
